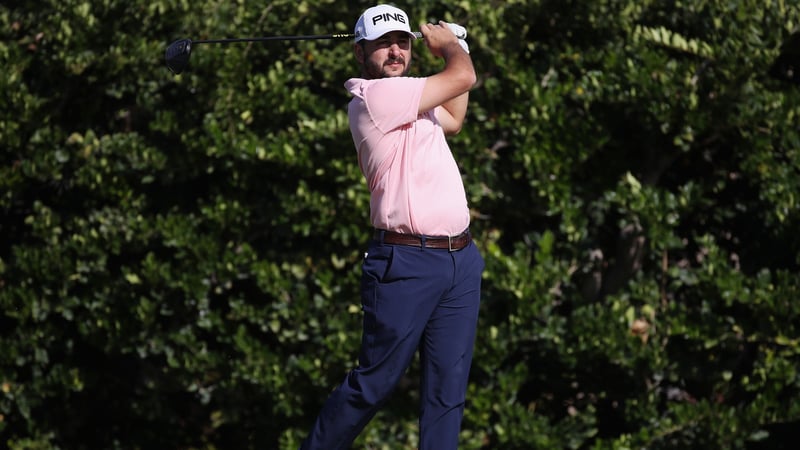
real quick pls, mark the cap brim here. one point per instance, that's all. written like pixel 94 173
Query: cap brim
pixel 414 35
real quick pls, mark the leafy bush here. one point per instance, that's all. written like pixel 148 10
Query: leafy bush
pixel 181 254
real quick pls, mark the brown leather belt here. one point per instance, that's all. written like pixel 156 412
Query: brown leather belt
pixel 451 243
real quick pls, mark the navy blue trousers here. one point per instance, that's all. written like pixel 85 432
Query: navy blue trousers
pixel 413 299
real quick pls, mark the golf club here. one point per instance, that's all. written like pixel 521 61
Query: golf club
pixel 178 52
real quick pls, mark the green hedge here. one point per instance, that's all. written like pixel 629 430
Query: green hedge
pixel 181 254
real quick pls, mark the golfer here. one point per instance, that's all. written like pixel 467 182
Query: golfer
pixel 421 277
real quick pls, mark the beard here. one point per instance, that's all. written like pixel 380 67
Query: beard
pixel 375 70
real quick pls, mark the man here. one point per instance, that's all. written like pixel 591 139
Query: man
pixel 421 276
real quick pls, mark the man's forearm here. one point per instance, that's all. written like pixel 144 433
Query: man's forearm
pixel 450 87
pixel 457 107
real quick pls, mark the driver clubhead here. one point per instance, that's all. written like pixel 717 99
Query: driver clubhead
pixel 177 55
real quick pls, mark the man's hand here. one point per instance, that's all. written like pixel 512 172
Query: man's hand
pixel 439 38
pixel 461 34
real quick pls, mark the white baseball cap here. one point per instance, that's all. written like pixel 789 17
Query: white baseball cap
pixel 379 20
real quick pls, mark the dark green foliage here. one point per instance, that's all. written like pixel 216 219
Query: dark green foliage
pixel 180 258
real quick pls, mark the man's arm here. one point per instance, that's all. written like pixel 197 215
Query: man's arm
pixel 450 87
pixel 451 116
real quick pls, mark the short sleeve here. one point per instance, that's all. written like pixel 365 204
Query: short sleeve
pixel 393 102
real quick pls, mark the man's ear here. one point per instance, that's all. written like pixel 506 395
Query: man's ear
pixel 358 49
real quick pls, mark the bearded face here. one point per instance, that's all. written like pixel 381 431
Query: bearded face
pixel 387 56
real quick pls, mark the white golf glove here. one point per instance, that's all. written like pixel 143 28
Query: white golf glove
pixel 461 34
pixel 458 30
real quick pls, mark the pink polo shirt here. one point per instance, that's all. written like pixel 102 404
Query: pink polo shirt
pixel 415 185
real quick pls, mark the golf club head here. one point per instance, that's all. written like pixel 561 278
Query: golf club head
pixel 177 55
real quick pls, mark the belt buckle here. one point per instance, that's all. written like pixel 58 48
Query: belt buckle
pixel 450 243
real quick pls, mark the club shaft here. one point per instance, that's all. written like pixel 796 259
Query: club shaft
pixel 275 38
pixel 282 38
